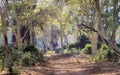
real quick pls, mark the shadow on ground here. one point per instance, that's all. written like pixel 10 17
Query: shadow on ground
pixel 67 65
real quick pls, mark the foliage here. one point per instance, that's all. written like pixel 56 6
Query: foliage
pixel 105 54
pixel 30 56
pixel 27 59
pixel 118 45
pixel 86 49
pixel 30 48
pixel 73 50
pixel 2 56
pixel 57 50
pixel 70 46
pixel 16 71
pixel 1 64
pixel 16 56
pixel 81 42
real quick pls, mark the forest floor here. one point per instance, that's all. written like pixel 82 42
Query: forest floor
pixel 71 64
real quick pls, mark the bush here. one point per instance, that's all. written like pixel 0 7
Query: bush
pixel 2 57
pixel 16 56
pixel 15 71
pixel 2 53
pixel 81 42
pixel 30 56
pixel 86 49
pixel 118 45
pixel 73 50
pixel 27 59
pixel 1 65
pixel 105 54
pixel 30 48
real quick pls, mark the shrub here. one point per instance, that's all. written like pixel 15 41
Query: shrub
pixel 1 65
pixel 105 54
pixel 27 59
pixel 2 53
pixel 2 57
pixel 30 48
pixel 30 56
pixel 73 50
pixel 118 45
pixel 81 42
pixel 16 56
pixel 86 49
pixel 15 71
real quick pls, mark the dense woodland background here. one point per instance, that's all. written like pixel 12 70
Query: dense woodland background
pixel 31 28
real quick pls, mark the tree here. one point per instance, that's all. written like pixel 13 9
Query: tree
pixel 111 41
pixel 22 21
pixel 62 17
pixel 4 17
pixel 84 13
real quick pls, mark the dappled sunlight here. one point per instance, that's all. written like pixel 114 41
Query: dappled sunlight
pixel 59 37
pixel 62 65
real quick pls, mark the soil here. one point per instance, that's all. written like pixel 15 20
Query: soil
pixel 71 64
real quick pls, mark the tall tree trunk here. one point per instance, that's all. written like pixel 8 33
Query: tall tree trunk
pixel 18 27
pixel 115 14
pixel 4 33
pixel 61 39
pixel 94 40
pixel 99 19
pixel 31 36
pixel 3 15
pixel 31 27
pixel 61 33
pixel 93 36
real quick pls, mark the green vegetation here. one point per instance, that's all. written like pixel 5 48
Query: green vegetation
pixel 28 57
pixel 66 26
pixel 2 56
pixel 105 54
pixel 86 49
pixel 70 51
pixel 82 43
pixel 16 71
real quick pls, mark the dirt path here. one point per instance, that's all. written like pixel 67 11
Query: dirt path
pixel 68 64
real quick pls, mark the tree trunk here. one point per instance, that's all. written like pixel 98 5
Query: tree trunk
pixel 31 36
pixel 18 27
pixel 99 18
pixel 61 39
pixel 61 34
pixel 31 27
pixel 94 40
pixel 4 33
pixel 93 36
pixel 3 15
pixel 114 21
